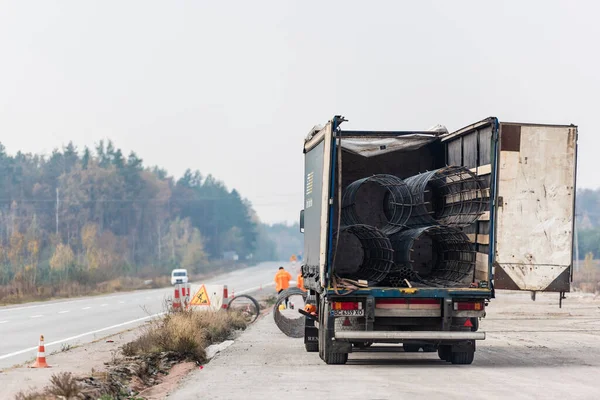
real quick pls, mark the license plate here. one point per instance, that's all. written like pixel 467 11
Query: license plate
pixel 348 313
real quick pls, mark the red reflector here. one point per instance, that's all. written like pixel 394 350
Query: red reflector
pixel 468 324
pixel 463 305
pixel 224 306
pixel 347 322
pixel 344 305
pixel 225 293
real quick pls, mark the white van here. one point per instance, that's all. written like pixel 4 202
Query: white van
pixel 179 276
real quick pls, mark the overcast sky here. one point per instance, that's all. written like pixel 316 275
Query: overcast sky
pixel 232 87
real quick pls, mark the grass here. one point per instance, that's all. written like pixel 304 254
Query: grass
pixel 587 279
pixel 12 294
pixel 186 333
pixel 62 386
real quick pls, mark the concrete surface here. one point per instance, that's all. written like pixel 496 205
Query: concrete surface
pixel 533 350
pixel 74 322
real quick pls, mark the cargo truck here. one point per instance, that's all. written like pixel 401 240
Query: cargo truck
pixel 463 214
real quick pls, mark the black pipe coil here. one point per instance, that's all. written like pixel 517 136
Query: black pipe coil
pixel 451 196
pixel 395 209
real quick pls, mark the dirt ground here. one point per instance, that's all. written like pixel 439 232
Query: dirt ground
pixel 78 360
pixel 533 350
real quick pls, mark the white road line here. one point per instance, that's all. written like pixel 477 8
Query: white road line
pixel 86 308
pixel 16 353
pixel 87 299
pixel 36 316
pixel 3 322
pixel 103 305
pixel 254 289
pixel 63 311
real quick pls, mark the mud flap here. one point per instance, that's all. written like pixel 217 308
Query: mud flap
pixel 466 346
pixel 311 333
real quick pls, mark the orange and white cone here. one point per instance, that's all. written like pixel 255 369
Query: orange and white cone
pixel 40 362
pixel 177 299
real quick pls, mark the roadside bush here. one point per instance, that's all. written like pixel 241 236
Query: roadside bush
pixel 187 333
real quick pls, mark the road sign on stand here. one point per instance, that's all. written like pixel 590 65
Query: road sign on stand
pixel 201 298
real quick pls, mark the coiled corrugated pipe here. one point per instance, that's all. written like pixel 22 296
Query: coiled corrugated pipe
pixel 388 210
pixel 451 196
pixel 435 255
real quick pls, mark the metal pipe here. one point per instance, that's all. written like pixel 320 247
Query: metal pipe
pixel 408 335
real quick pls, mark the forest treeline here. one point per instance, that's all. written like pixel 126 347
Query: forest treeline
pixel 94 215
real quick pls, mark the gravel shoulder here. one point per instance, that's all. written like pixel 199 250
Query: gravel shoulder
pixel 532 350
pixel 78 360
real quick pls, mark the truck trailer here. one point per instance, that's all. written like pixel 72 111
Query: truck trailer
pixel 408 234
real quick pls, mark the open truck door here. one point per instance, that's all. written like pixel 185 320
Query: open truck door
pixel 535 207
pixel 319 153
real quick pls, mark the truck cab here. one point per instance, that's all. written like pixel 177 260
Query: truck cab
pixel 408 234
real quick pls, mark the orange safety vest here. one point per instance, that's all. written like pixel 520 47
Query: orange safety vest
pixel 282 280
pixel 300 282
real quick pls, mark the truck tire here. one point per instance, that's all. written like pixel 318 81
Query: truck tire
pixel 411 347
pixel 311 347
pixel 325 352
pixel 445 353
pixel 462 357
pixel 429 348
pixel 336 358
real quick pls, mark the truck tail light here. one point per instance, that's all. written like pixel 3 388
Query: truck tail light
pixel 468 306
pixel 346 305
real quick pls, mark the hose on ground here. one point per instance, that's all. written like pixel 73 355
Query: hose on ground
pixel 292 327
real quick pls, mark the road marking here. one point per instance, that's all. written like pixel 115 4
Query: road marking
pixel 121 302
pixel 16 353
pixel 3 322
pixel 254 289
pixel 63 311
pixel 103 305
pixel 86 308
pixel 36 316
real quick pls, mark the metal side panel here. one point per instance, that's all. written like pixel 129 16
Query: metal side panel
pixel 535 214
pixel 317 165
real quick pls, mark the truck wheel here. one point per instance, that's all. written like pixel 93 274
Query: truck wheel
pixel 411 347
pixel 429 348
pixel 336 358
pixel 311 347
pixel 463 357
pixel 445 353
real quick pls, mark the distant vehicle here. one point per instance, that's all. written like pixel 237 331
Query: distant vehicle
pixel 179 276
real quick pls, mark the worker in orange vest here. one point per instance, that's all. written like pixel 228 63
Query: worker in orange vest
pixel 282 281
pixel 300 282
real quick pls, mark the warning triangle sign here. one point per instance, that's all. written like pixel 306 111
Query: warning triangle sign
pixel 200 298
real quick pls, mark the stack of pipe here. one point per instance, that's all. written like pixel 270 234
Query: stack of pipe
pixel 407 232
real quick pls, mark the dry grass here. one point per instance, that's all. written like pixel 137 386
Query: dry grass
pixel 587 279
pixel 62 386
pixel 187 333
pixel 12 295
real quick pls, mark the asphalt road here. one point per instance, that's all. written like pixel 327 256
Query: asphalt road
pixel 533 350
pixel 83 320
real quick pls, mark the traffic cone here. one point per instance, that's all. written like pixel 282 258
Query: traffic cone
pixel 177 299
pixel 40 362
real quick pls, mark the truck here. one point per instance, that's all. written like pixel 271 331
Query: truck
pixel 446 219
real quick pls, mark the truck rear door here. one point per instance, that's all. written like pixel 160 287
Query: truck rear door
pixel 535 207
pixel 317 178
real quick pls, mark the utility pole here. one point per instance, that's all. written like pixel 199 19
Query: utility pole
pixel 57 204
